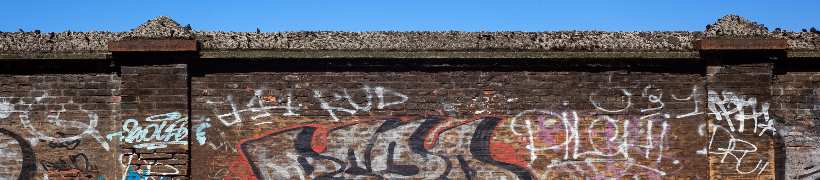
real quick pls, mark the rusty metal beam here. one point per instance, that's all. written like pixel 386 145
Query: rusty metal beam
pixel 153 45
pixel 742 44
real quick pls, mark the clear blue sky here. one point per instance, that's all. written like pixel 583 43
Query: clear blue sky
pixel 405 15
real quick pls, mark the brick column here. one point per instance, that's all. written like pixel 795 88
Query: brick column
pixel 740 129
pixel 155 132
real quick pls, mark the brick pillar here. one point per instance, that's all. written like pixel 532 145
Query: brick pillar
pixel 155 132
pixel 740 131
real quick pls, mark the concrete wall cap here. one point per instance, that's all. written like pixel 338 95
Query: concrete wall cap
pixel 731 26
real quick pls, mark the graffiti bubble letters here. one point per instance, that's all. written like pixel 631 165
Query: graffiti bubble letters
pixel 356 107
pixel 398 148
pixel 164 129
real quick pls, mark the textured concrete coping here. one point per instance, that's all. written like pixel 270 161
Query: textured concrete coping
pixel 324 54
pixel 44 45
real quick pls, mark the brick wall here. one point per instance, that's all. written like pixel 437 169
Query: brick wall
pixel 155 127
pixel 449 123
pixel 795 92
pixel 171 116
pixel 54 117
pixel 741 126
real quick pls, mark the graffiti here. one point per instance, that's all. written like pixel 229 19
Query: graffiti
pixel 74 166
pixel 653 96
pixel 632 132
pixel 143 168
pixel 17 158
pixel 89 129
pixel 222 145
pixel 595 144
pixel 164 129
pixel 477 105
pixel 597 103
pixel 199 130
pixel 619 141
pixel 578 143
pixel 259 106
pixel 428 152
pixel 449 109
pixel 732 111
pixel 692 97
pixel 6 108
pixel 355 106
pixel 46 121
pixel 481 148
pixel 389 153
pixel 219 174
pixel 70 145
pixel 132 174
pixel 737 149
pixel 54 117
pixel 218 140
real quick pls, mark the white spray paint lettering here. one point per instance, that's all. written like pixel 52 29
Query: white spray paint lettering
pixel 259 105
pixel 617 144
pixel 356 107
pixel 646 134
pixel 732 110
